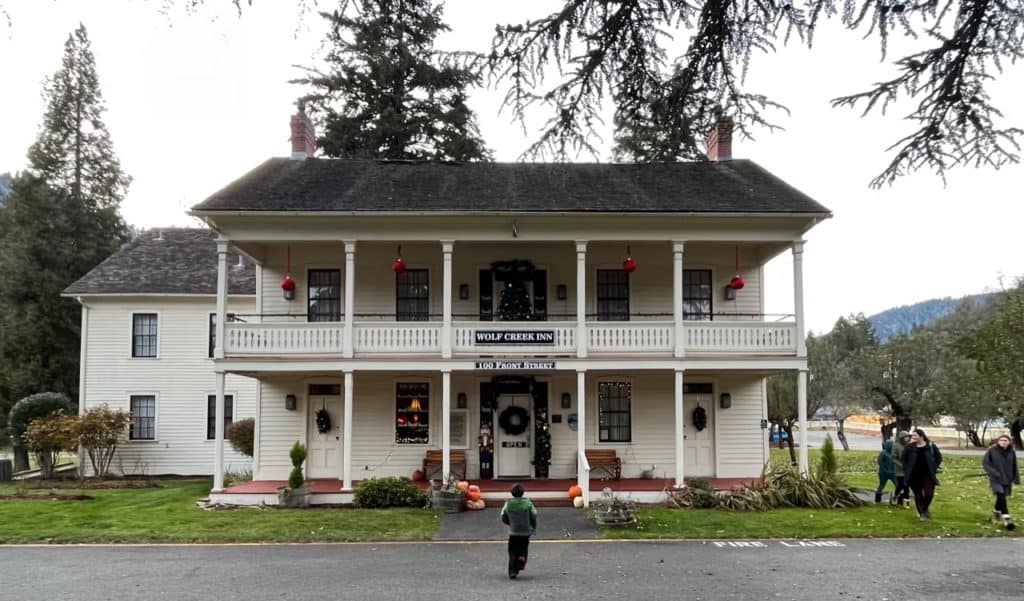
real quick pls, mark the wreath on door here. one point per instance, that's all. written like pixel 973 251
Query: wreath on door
pixel 513 420
pixel 700 418
pixel 323 420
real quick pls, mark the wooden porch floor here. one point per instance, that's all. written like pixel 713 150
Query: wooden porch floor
pixel 328 486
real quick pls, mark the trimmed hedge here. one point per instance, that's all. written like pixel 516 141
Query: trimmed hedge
pixel 389 492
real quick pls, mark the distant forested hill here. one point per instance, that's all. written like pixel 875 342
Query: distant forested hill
pixel 900 320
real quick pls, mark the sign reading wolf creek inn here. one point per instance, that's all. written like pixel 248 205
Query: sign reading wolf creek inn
pixel 514 337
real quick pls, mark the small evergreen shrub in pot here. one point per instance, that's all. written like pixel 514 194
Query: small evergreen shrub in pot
pixel 296 494
pixel 389 492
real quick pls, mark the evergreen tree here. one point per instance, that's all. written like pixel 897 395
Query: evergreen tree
pixel 74 152
pixel 515 303
pixel 387 93
pixel 60 220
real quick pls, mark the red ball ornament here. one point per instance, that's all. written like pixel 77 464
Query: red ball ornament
pixel 399 265
pixel 629 265
pixel 736 283
pixel 288 284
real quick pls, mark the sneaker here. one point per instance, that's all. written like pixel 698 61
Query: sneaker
pixel 522 562
pixel 512 574
pixel 997 517
pixel 906 503
pixel 1008 522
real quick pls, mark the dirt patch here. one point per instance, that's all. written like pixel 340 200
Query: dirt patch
pixel 107 484
pixel 50 496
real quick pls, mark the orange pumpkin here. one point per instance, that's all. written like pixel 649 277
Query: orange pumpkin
pixel 474 488
pixel 418 476
pixel 462 485
pixel 473 495
pixel 575 491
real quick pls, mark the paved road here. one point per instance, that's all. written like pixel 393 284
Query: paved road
pixel 933 570
pixel 863 442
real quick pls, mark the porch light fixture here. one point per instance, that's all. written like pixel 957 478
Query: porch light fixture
pixel 725 400
pixel 561 292
pixel 289 402
pixel 414 405
pixel 463 291
pixel 461 401
pixel 566 400
pixel 730 293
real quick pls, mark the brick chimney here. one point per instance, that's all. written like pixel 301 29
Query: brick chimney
pixel 719 140
pixel 303 136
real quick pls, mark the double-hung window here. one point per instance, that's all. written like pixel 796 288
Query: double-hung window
pixel 324 294
pixel 613 417
pixel 697 294
pixel 412 295
pixel 211 414
pixel 143 424
pixel 612 295
pixel 144 341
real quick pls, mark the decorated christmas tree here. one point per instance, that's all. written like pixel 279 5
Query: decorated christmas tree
pixel 515 304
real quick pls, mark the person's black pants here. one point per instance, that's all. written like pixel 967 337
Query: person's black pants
pixel 518 546
pixel 902 492
pixel 924 492
pixel 1001 503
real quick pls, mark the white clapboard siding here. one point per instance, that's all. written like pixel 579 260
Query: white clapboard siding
pixel 181 377
pixel 741 440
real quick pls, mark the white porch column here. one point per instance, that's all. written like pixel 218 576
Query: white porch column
pixel 582 477
pixel 677 299
pixel 801 411
pixel 218 428
pixel 798 296
pixel 446 423
pixel 581 298
pixel 350 300
pixel 218 354
pixel 680 431
pixel 346 443
pixel 446 327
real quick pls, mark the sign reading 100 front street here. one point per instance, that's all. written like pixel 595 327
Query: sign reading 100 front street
pixel 515 337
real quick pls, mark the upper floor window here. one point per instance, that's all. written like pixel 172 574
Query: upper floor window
pixel 613 417
pixel 697 294
pixel 143 424
pixel 612 295
pixel 211 414
pixel 324 294
pixel 412 413
pixel 412 295
pixel 144 334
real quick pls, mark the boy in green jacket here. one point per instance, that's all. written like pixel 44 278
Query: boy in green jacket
pixel 521 517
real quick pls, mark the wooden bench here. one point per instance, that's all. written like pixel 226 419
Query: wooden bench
pixel 432 464
pixel 606 461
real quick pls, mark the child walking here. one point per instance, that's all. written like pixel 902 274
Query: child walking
pixel 1000 463
pixel 885 473
pixel 520 516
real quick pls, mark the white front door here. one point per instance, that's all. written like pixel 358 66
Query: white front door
pixel 699 446
pixel 323 459
pixel 512 451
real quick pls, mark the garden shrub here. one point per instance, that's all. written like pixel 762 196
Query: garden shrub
pixel 99 431
pixel 828 465
pixel 697 494
pixel 298 455
pixel 34 406
pixel 389 492
pixel 48 437
pixel 241 435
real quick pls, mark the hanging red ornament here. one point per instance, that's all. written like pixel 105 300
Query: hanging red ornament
pixel 629 265
pixel 288 284
pixel 399 264
pixel 736 283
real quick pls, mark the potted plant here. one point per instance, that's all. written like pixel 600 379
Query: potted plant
pixel 611 510
pixel 451 496
pixel 296 494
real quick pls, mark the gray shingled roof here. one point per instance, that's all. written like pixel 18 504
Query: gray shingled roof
pixel 166 261
pixel 737 186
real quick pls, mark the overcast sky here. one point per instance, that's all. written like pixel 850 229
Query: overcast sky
pixel 195 101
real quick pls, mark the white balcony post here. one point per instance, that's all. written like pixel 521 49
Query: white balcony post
pixel 446 326
pixel 582 477
pixel 680 428
pixel 677 298
pixel 581 298
pixel 801 411
pixel 798 296
pixel 346 443
pixel 222 298
pixel 350 299
pixel 218 428
pixel 446 424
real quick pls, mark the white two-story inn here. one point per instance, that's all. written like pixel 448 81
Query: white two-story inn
pixel 483 320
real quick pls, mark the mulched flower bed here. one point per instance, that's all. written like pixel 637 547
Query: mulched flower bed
pixel 46 496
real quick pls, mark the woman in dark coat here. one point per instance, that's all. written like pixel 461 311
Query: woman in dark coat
pixel 1000 463
pixel 921 460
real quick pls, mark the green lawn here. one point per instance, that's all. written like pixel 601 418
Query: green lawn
pixel 168 514
pixel 962 507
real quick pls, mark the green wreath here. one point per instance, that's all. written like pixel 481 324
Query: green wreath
pixel 700 418
pixel 514 420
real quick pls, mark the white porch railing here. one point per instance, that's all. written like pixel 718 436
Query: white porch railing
pixel 282 338
pixel 625 337
pixel 464 338
pixel 740 337
pixel 397 337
